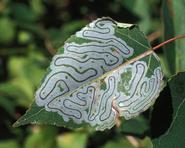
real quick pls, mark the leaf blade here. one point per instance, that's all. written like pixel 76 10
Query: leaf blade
pixel 175 132
pixel 178 8
pixel 101 64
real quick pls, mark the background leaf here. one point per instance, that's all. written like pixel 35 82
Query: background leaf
pixel 78 138
pixel 135 126
pixel 178 10
pixel 42 137
pixel 175 133
pixel 169 49
pixel 129 143
pixel 7 30
pixel 9 143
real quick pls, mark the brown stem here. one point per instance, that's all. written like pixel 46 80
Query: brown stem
pixel 168 41
pixel 155 35
pixel 49 47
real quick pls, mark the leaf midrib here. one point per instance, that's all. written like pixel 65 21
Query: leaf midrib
pixel 144 54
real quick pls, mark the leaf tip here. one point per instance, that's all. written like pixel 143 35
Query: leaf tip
pixel 16 124
pixel 21 121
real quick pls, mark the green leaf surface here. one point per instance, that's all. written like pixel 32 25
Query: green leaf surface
pixel 42 137
pixel 79 140
pixel 19 9
pixel 136 126
pixel 169 49
pixel 17 95
pixel 8 144
pixel 37 6
pixel 132 142
pixel 7 30
pixel 118 143
pixel 179 19
pixel 98 78
pixel 174 137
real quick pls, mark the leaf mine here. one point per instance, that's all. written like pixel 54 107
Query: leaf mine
pixel 82 85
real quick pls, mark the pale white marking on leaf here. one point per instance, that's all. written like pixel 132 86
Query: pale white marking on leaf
pixel 129 87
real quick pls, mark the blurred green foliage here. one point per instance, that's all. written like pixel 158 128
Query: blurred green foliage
pixel 31 31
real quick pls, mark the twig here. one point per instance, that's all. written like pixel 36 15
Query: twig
pixel 117 121
pixel 155 35
pixel 133 141
pixel 168 41
pixel 49 47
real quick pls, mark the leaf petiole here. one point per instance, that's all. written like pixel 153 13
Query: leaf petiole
pixel 168 41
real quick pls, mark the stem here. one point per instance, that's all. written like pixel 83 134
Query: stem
pixel 168 41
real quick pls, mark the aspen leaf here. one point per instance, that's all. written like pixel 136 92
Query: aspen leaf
pixel 98 78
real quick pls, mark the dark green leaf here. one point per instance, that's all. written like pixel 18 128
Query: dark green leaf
pixel 129 142
pixel 8 144
pixel 179 18
pixel 44 137
pixel 7 30
pixel 169 49
pixel 23 13
pixel 175 134
pixel 136 126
